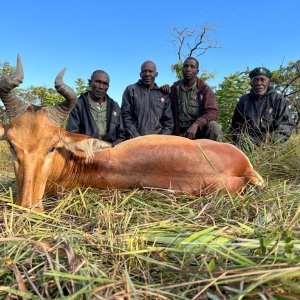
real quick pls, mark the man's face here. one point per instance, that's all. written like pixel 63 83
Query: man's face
pixel 190 69
pixel 260 84
pixel 99 85
pixel 148 74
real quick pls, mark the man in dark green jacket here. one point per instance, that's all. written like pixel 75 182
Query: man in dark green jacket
pixel 96 114
pixel 262 114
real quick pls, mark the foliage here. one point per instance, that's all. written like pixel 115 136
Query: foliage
pixel 155 244
pixel 286 81
pixel 2 114
pixel 6 69
pixel 81 86
pixel 228 94
pixel 177 68
pixel 36 95
pixel 6 166
pixel 46 96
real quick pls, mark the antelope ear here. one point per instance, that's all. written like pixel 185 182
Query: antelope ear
pixel 79 142
pixel 73 138
pixel 2 132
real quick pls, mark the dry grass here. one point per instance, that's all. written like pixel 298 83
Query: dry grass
pixel 154 244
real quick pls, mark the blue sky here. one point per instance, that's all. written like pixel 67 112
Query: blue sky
pixel 118 36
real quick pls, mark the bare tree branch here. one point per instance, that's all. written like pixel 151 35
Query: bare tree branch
pixel 292 93
pixel 292 80
pixel 180 39
pixel 201 37
pixel 197 47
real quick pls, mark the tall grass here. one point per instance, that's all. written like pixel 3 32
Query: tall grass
pixel 154 244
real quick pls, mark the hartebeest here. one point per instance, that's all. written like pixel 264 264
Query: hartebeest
pixel 45 155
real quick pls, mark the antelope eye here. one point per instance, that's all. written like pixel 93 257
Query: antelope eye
pixel 51 149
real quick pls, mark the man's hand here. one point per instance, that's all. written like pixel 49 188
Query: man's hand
pixel 191 132
pixel 165 89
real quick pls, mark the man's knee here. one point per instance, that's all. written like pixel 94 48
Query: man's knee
pixel 214 126
pixel 214 131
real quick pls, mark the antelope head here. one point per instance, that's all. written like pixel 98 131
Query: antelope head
pixel 33 133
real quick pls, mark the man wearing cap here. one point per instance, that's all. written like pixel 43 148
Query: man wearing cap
pixel 262 114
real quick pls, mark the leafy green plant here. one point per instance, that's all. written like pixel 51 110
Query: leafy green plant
pixel 228 94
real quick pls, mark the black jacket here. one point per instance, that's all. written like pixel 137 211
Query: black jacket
pixel 146 111
pixel 258 116
pixel 81 120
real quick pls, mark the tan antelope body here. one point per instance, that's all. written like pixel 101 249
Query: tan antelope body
pixel 46 156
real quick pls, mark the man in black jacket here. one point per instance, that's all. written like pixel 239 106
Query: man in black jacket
pixel 96 114
pixel 145 108
pixel 263 114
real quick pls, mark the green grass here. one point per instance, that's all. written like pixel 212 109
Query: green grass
pixel 154 244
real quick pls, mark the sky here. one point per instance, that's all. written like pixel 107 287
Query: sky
pixel 118 36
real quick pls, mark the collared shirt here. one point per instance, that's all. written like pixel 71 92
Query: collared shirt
pixel 99 113
pixel 188 104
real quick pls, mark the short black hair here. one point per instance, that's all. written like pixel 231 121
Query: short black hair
pixel 99 71
pixel 147 62
pixel 193 58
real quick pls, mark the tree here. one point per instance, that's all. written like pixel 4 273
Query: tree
pixel 228 94
pixel 6 69
pixel 81 86
pixel 48 96
pixel 35 95
pixel 286 81
pixel 45 96
pixel 192 42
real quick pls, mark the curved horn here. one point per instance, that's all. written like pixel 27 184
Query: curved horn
pixel 61 110
pixel 13 104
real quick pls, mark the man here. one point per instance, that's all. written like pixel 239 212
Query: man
pixel 96 114
pixel 194 105
pixel 263 114
pixel 145 109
